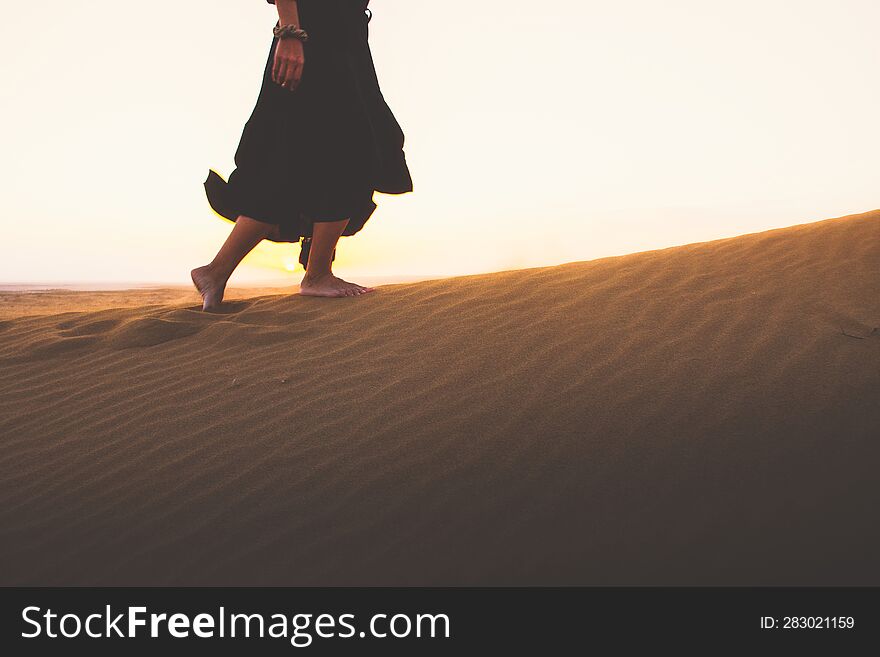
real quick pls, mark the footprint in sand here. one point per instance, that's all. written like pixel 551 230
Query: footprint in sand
pixel 226 308
pixel 62 346
pixel 90 328
pixel 150 331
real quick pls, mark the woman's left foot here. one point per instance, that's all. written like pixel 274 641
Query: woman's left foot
pixel 209 285
pixel 328 285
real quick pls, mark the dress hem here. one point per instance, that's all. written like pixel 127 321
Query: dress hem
pixel 217 192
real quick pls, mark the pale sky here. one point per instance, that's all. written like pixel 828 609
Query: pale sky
pixel 537 133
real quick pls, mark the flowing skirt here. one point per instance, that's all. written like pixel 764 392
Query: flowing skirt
pixel 317 153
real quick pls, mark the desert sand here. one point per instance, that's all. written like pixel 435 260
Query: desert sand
pixel 705 414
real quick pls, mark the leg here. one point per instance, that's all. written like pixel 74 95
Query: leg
pixel 319 280
pixel 211 279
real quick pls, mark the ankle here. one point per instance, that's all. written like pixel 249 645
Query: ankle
pixel 218 272
pixel 313 275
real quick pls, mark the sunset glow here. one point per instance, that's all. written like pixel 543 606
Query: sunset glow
pixel 536 133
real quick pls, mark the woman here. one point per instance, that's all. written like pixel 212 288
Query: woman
pixel 319 142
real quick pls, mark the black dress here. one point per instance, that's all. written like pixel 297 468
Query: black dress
pixel 317 153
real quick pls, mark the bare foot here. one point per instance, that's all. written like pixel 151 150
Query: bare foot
pixel 209 285
pixel 328 285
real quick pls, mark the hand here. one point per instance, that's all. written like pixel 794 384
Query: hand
pixel 287 68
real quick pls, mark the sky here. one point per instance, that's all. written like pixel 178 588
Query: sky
pixel 536 133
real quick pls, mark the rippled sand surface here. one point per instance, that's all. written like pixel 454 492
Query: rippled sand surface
pixel 706 414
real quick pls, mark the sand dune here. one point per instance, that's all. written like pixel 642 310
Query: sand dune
pixel 708 414
pixel 30 302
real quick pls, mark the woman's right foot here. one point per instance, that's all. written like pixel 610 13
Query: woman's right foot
pixel 209 285
pixel 328 285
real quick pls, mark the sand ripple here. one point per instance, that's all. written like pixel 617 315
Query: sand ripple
pixel 707 414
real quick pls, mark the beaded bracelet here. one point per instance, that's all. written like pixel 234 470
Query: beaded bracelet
pixel 290 32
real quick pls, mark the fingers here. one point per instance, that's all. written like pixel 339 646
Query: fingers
pixel 296 74
pixel 287 73
pixel 276 69
pixel 293 74
pixel 281 65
